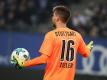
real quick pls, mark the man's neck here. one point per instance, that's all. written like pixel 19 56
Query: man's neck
pixel 61 25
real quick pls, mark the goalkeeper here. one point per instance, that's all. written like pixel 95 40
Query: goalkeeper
pixel 59 48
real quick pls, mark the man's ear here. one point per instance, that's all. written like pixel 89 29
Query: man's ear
pixel 58 19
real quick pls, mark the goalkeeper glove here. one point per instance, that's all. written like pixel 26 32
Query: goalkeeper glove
pixel 19 62
pixel 90 45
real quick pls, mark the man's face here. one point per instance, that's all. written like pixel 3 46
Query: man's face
pixel 54 19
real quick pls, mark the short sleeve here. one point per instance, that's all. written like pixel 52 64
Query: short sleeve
pixel 47 45
pixel 82 48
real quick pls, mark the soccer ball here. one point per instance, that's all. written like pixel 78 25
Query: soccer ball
pixel 22 53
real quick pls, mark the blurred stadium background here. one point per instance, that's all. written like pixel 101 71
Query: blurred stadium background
pixel 23 23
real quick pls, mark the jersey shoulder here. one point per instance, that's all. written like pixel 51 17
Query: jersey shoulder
pixel 77 33
pixel 50 34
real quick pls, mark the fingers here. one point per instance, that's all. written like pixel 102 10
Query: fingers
pixel 90 45
pixel 18 67
pixel 91 42
pixel 16 58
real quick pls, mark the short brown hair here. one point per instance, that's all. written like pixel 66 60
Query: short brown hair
pixel 63 12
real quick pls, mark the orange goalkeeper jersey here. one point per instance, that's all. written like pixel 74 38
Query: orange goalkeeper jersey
pixel 61 46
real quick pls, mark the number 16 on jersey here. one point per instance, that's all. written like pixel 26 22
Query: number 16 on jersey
pixel 67 47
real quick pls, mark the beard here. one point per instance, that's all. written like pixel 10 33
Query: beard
pixel 53 23
pixel 53 26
